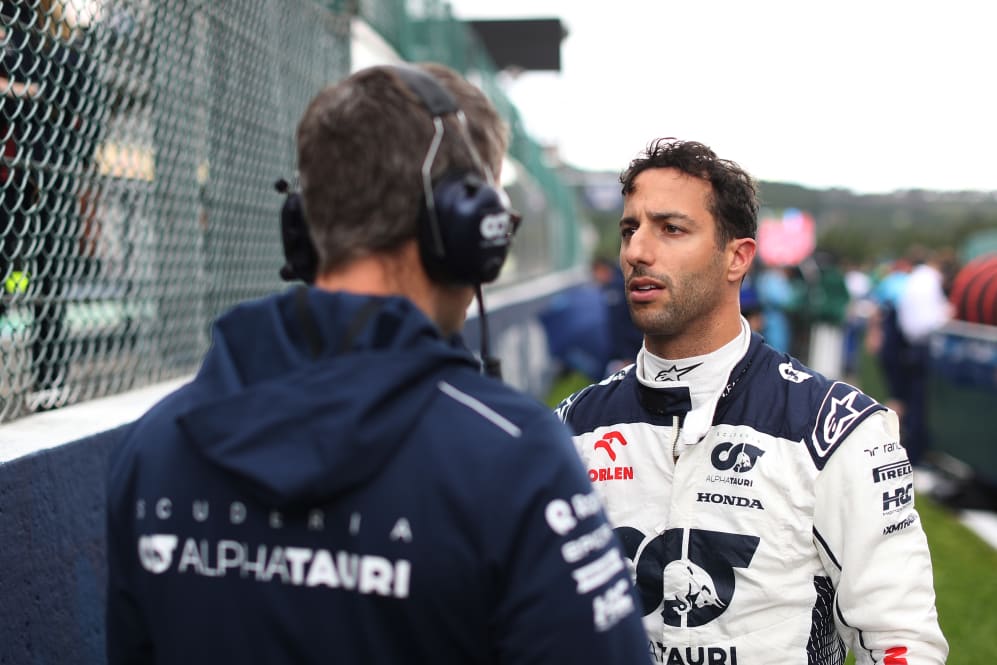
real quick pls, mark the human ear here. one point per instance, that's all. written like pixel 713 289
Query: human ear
pixel 740 254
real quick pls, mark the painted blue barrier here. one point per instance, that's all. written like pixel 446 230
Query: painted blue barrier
pixel 963 395
pixel 52 570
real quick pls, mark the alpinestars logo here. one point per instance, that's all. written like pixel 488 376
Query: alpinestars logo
pixel 841 417
pixel 674 373
pixel 690 590
pixel 842 409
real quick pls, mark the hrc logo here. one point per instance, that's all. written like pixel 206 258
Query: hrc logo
pixel 900 498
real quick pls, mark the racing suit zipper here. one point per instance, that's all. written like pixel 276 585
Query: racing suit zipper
pixel 676 429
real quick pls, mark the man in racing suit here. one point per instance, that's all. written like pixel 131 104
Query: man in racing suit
pixel 768 511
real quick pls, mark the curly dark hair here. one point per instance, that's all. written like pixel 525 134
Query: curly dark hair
pixel 734 202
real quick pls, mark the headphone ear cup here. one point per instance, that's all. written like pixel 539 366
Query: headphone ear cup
pixel 300 255
pixel 472 234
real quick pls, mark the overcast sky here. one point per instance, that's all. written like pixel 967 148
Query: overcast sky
pixel 869 95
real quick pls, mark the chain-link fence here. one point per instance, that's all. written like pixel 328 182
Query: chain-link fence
pixel 141 140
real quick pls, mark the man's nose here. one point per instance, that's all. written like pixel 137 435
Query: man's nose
pixel 637 249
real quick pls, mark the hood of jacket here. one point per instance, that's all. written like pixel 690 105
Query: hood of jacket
pixel 308 394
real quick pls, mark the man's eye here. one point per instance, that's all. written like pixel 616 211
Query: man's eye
pixel 671 228
pixel 626 232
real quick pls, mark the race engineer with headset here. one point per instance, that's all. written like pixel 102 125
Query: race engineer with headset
pixel 768 510
pixel 340 482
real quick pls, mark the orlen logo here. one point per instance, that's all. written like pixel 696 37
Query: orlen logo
pixel 496 226
pixel 607 441
pixel 156 552
pixel 739 457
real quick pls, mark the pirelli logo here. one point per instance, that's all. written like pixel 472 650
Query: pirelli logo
pixel 891 471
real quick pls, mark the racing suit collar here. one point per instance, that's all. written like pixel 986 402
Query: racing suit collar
pixel 697 384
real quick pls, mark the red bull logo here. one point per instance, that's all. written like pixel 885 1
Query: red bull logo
pixel 688 586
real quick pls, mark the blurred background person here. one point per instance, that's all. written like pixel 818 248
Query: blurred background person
pixel 860 309
pixel 625 339
pixel 922 308
pixel 884 340
pixel 576 325
pixel 751 306
pixel 827 304
pixel 777 297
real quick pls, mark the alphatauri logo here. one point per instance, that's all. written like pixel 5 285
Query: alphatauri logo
pixel 686 576
pixel 496 227
pixel 739 457
pixel 156 552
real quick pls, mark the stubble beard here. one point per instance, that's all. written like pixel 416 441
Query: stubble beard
pixel 690 300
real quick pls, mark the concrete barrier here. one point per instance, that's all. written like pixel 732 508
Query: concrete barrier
pixel 53 469
pixel 53 472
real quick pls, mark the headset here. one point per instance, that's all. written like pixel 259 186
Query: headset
pixel 300 255
pixel 465 222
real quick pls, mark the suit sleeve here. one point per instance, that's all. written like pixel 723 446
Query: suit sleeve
pixel 565 593
pixel 874 549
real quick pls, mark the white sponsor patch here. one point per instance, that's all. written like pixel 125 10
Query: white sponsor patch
pixel 562 517
pixel 576 550
pixel 594 575
pixel 790 373
pixel 296 566
pixel 608 608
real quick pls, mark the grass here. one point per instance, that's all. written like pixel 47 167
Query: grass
pixel 965 569
pixel 965 566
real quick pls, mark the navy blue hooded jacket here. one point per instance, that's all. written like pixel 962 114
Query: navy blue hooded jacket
pixel 340 484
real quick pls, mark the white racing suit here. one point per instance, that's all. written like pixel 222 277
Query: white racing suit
pixel 785 534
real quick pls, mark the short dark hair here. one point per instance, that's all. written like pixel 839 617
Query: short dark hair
pixel 361 144
pixel 734 201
